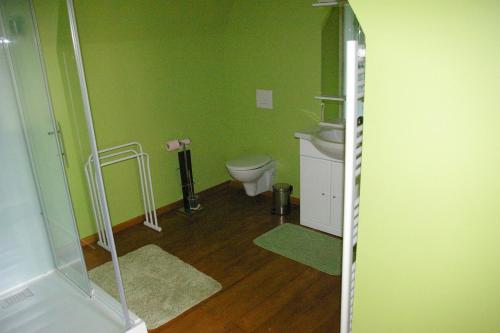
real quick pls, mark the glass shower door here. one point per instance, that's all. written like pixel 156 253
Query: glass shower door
pixel 45 143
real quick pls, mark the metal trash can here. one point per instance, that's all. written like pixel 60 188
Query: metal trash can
pixel 281 198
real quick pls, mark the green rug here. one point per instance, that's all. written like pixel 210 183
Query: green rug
pixel 306 246
pixel 158 285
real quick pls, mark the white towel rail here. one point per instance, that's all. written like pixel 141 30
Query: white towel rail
pixel 353 158
pixel 114 155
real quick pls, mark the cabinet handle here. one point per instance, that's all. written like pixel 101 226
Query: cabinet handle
pixel 334 197
pixel 323 194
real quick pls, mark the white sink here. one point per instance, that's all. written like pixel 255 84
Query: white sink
pixel 335 135
pixel 327 138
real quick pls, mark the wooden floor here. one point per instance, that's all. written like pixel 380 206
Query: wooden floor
pixel 262 291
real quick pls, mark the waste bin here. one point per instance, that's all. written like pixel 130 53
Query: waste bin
pixel 281 198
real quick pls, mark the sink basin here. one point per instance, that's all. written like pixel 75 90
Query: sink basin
pixel 328 139
pixel 330 142
pixel 334 135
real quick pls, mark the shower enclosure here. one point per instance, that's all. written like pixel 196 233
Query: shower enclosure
pixel 44 285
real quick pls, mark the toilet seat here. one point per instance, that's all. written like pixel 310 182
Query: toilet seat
pixel 249 162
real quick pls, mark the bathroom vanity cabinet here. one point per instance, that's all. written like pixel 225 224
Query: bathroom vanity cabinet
pixel 321 190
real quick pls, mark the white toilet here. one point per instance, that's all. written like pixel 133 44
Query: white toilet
pixel 254 171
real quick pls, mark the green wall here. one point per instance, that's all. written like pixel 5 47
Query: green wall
pixel 273 45
pixel 175 69
pixel 428 257
pixel 331 62
pixel 152 77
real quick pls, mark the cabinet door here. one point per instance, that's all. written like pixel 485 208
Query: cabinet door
pixel 315 193
pixel 337 206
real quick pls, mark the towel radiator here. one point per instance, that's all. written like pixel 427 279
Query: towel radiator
pixel 355 87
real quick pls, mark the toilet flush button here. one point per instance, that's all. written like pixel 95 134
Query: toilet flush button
pixel 264 99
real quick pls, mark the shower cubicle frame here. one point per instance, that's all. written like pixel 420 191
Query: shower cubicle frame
pixel 130 325
pixel 88 288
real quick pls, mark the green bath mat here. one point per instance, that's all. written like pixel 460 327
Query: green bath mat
pixel 306 246
pixel 158 285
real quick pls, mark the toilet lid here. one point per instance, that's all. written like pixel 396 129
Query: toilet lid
pixel 248 162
